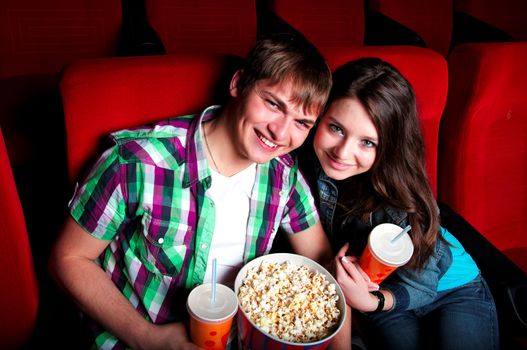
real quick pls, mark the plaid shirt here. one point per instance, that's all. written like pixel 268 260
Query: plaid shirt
pixel 147 194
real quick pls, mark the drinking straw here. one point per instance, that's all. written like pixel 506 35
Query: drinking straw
pixel 400 234
pixel 213 280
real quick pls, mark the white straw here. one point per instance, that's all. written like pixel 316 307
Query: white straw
pixel 400 234
pixel 213 280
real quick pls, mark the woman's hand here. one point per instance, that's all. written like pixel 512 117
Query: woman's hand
pixel 354 282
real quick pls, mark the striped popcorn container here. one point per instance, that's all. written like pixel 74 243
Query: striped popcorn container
pixel 253 337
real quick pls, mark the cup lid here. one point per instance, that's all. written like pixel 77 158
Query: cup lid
pixel 395 253
pixel 200 305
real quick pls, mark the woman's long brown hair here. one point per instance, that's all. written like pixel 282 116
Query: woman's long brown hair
pixel 398 176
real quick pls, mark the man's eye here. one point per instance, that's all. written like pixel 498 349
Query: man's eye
pixel 272 104
pixel 303 124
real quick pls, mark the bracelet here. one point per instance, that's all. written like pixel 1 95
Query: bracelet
pixel 379 296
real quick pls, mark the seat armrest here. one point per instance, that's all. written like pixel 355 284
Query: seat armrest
pixel 508 282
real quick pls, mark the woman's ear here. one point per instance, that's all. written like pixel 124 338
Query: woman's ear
pixel 233 87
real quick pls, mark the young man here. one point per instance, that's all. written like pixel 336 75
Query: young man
pixel 166 199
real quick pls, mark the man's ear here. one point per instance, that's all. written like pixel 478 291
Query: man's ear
pixel 233 87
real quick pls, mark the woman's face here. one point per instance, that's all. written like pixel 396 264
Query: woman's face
pixel 346 139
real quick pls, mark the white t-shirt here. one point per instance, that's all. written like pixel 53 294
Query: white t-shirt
pixel 231 196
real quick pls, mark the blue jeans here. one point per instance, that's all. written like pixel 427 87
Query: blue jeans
pixel 459 318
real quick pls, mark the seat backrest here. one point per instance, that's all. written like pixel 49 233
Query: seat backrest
pixel 327 24
pixel 101 96
pixel 483 141
pixel 19 297
pixel 430 19
pixel 41 36
pixel 427 72
pixel 506 15
pixel 221 26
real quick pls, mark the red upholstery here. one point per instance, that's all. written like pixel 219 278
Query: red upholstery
pixel 18 282
pixel 101 96
pixel 427 72
pixel 507 15
pixel 36 39
pixel 327 24
pixel 40 36
pixel 222 26
pixel 430 19
pixel 483 143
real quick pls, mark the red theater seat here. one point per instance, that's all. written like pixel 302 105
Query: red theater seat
pixel 427 72
pixel 18 283
pixel 483 143
pixel 327 24
pixel 101 96
pixel 40 36
pixel 430 19
pixel 222 26
pixel 36 39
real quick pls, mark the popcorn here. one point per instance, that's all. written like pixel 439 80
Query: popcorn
pixel 290 302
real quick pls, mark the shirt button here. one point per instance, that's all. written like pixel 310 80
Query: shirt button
pixel 160 240
pixel 204 246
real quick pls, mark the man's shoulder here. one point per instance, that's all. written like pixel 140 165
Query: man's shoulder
pixel 173 127
pixel 161 143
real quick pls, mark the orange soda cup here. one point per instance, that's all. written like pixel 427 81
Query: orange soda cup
pixel 210 322
pixel 383 254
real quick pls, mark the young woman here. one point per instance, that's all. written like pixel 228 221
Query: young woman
pixel 367 164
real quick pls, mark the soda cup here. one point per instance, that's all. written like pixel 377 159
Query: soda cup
pixel 382 255
pixel 210 322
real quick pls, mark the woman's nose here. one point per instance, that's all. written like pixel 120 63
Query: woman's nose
pixel 344 150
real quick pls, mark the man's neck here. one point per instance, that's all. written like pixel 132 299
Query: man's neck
pixel 222 154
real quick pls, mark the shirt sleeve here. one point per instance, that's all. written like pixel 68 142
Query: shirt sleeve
pixel 98 204
pixel 301 212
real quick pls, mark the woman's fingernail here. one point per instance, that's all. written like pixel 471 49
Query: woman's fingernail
pixel 345 260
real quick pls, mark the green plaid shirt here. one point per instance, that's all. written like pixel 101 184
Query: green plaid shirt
pixel 148 195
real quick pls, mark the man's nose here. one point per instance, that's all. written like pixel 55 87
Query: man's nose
pixel 279 127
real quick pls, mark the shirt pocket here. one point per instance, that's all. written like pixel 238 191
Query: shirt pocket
pixel 162 247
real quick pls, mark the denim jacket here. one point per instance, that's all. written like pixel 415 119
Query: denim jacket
pixel 411 288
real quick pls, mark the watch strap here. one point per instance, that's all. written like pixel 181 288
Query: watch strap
pixel 380 297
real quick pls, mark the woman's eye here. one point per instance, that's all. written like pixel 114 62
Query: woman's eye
pixel 336 129
pixel 369 143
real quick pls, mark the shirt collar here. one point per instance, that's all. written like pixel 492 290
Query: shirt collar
pixel 197 168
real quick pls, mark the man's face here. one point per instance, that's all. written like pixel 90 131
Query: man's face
pixel 268 123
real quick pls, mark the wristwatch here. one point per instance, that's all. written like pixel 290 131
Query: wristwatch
pixel 379 296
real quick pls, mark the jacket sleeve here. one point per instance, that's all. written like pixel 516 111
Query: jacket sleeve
pixel 412 288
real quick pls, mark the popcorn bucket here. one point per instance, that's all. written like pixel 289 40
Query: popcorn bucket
pixel 252 337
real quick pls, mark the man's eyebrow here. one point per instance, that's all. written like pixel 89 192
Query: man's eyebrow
pixel 284 108
pixel 281 103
